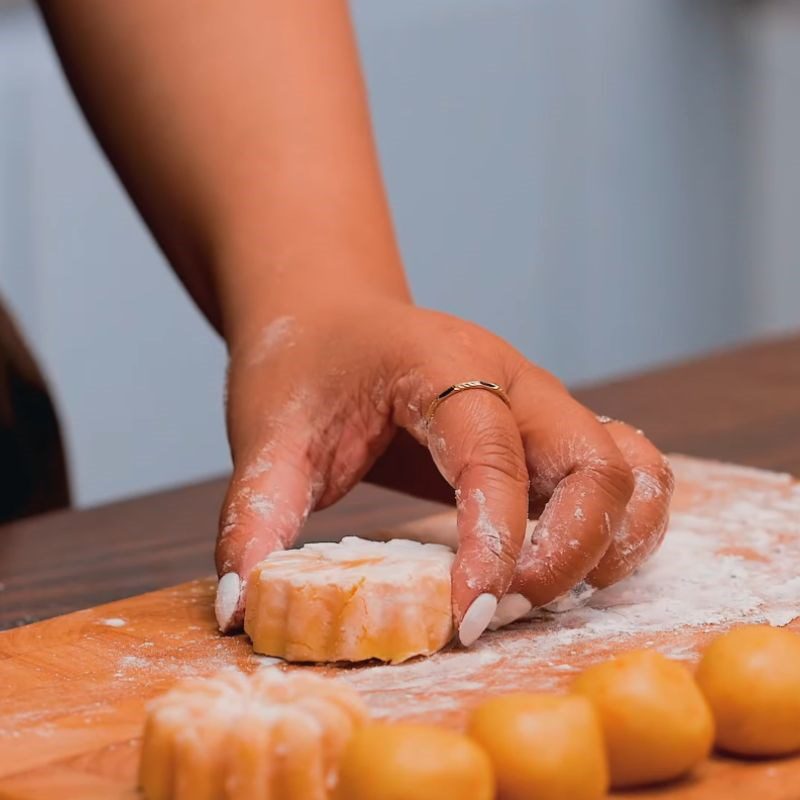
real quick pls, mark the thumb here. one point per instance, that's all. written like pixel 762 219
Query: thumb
pixel 268 501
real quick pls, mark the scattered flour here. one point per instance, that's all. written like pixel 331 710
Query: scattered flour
pixel 440 678
pixel 576 597
pixel 266 661
pixel 259 467
pixel 491 535
pixel 732 555
pixel 277 335
pixel 114 622
pixel 729 557
pixel 259 503
pixel 133 669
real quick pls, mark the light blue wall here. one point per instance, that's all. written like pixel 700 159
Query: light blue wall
pixel 567 173
pixel 136 371
pixel 773 200
pixel 577 176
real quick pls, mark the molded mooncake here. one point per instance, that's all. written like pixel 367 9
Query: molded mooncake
pixel 268 736
pixel 351 601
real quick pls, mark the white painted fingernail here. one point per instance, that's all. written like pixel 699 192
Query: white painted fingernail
pixel 477 618
pixel 510 608
pixel 228 590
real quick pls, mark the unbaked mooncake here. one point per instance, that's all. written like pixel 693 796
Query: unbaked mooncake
pixel 268 736
pixel 351 601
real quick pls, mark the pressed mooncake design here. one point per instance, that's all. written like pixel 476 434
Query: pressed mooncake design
pixel 268 736
pixel 351 601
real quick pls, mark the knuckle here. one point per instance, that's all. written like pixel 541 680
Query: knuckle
pixel 615 478
pixel 641 453
pixel 541 377
pixel 498 458
pixel 498 449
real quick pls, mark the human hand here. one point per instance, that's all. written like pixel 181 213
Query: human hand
pixel 322 399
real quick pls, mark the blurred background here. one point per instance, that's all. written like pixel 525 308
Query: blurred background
pixel 608 185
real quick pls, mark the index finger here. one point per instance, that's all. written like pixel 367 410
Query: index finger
pixel 477 447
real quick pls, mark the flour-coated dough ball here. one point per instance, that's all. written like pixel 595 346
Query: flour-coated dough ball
pixel 265 736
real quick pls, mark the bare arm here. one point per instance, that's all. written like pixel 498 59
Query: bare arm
pixel 242 133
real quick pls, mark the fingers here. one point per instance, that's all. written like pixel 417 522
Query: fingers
pixel 575 463
pixel 268 501
pixel 603 492
pixel 477 447
pixel 645 520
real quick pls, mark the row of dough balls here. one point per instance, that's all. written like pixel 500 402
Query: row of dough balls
pixel 635 720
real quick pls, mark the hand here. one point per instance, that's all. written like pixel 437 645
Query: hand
pixel 322 399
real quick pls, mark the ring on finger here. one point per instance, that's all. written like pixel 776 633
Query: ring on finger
pixel 464 386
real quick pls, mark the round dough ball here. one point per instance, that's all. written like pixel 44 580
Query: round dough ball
pixel 656 723
pixel 414 762
pixel 547 747
pixel 751 679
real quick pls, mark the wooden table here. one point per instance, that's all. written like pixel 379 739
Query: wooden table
pixel 742 405
pixel 73 688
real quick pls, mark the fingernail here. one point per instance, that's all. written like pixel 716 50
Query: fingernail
pixel 510 608
pixel 477 618
pixel 228 590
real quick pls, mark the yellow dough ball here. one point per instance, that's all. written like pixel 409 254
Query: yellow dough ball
pixel 547 747
pixel 414 762
pixel 751 679
pixel 656 723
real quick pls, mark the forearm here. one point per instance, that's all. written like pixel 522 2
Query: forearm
pixel 242 133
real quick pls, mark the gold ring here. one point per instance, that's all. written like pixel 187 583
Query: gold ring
pixel 486 386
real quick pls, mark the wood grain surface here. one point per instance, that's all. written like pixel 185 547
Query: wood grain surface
pixel 73 688
pixel 741 406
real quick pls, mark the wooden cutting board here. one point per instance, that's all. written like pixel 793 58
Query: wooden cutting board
pixel 73 688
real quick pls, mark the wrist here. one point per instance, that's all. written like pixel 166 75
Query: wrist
pixel 264 275
pixel 303 305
